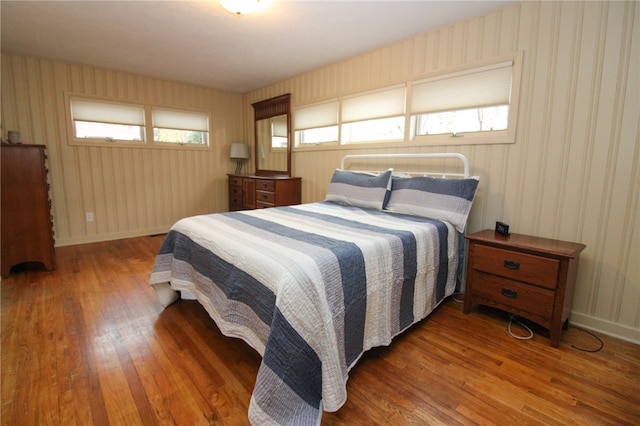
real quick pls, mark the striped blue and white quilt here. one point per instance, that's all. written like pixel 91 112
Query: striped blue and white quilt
pixel 311 288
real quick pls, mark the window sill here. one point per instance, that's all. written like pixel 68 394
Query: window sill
pixel 158 145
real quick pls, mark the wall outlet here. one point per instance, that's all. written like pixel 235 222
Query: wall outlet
pixel 90 217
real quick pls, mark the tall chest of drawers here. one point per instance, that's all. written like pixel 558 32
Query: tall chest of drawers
pixel 27 232
pixel 527 276
pixel 258 192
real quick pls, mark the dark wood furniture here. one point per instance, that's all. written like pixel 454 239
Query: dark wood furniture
pixel 527 276
pixel 258 192
pixel 27 232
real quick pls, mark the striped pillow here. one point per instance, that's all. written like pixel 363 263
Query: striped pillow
pixel 359 189
pixel 442 199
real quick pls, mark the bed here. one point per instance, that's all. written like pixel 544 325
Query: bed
pixel 312 287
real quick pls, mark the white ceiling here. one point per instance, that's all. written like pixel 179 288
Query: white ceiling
pixel 198 42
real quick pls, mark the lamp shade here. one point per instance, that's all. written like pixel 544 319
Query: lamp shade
pixel 239 151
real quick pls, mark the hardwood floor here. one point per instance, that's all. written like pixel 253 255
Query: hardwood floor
pixel 88 344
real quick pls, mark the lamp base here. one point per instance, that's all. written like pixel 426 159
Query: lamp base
pixel 238 167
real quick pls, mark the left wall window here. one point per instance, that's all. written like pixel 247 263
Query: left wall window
pixel 95 121
pixel 107 121
pixel 181 127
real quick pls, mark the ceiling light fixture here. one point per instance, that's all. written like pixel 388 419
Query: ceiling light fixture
pixel 240 7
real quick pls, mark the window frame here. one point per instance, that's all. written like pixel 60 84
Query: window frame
pixel 507 136
pixel 327 116
pixel 410 139
pixel 393 100
pixel 148 127
pixel 105 103
pixel 156 108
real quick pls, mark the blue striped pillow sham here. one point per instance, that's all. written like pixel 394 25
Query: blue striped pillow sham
pixel 360 189
pixel 442 199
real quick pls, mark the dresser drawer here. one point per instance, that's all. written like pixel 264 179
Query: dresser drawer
pixel 235 181
pixel 538 270
pixel 266 185
pixel 235 203
pixel 514 296
pixel 265 197
pixel 263 205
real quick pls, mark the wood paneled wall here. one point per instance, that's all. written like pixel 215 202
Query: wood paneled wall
pixel 131 190
pixel 573 171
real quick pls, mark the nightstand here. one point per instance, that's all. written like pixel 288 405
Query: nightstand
pixel 527 276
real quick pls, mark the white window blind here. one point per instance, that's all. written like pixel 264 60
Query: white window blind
pixel 279 128
pixel 107 112
pixel 315 116
pixel 387 103
pixel 479 87
pixel 180 120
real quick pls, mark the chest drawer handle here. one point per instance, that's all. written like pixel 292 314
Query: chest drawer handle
pixel 507 292
pixel 512 265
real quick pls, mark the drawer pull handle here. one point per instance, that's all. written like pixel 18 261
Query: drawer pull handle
pixel 507 292
pixel 512 265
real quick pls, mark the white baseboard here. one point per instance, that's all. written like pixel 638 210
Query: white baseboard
pixel 619 331
pixel 110 237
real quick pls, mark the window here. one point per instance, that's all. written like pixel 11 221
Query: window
pixel 376 116
pixel 475 100
pixel 316 124
pixel 463 121
pixel 181 127
pixel 380 129
pixel 107 120
pixel 98 121
pixel 279 132
pixel 478 103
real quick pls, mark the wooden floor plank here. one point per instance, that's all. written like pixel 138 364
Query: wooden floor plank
pixel 87 344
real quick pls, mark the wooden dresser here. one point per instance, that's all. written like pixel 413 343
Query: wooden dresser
pixel 27 231
pixel 527 276
pixel 258 192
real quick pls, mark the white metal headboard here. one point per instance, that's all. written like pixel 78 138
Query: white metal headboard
pixel 449 155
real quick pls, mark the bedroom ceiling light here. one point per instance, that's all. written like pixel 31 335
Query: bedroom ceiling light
pixel 240 7
pixel 240 153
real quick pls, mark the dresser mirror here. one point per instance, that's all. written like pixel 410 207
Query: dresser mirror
pixel 273 136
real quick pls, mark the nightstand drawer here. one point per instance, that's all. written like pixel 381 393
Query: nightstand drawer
pixel 514 296
pixel 524 267
pixel 266 185
pixel 265 197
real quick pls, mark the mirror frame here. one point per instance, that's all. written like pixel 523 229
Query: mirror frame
pixel 279 105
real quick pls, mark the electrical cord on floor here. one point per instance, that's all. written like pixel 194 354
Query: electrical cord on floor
pixel 590 334
pixel 514 319
pixel 457 293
